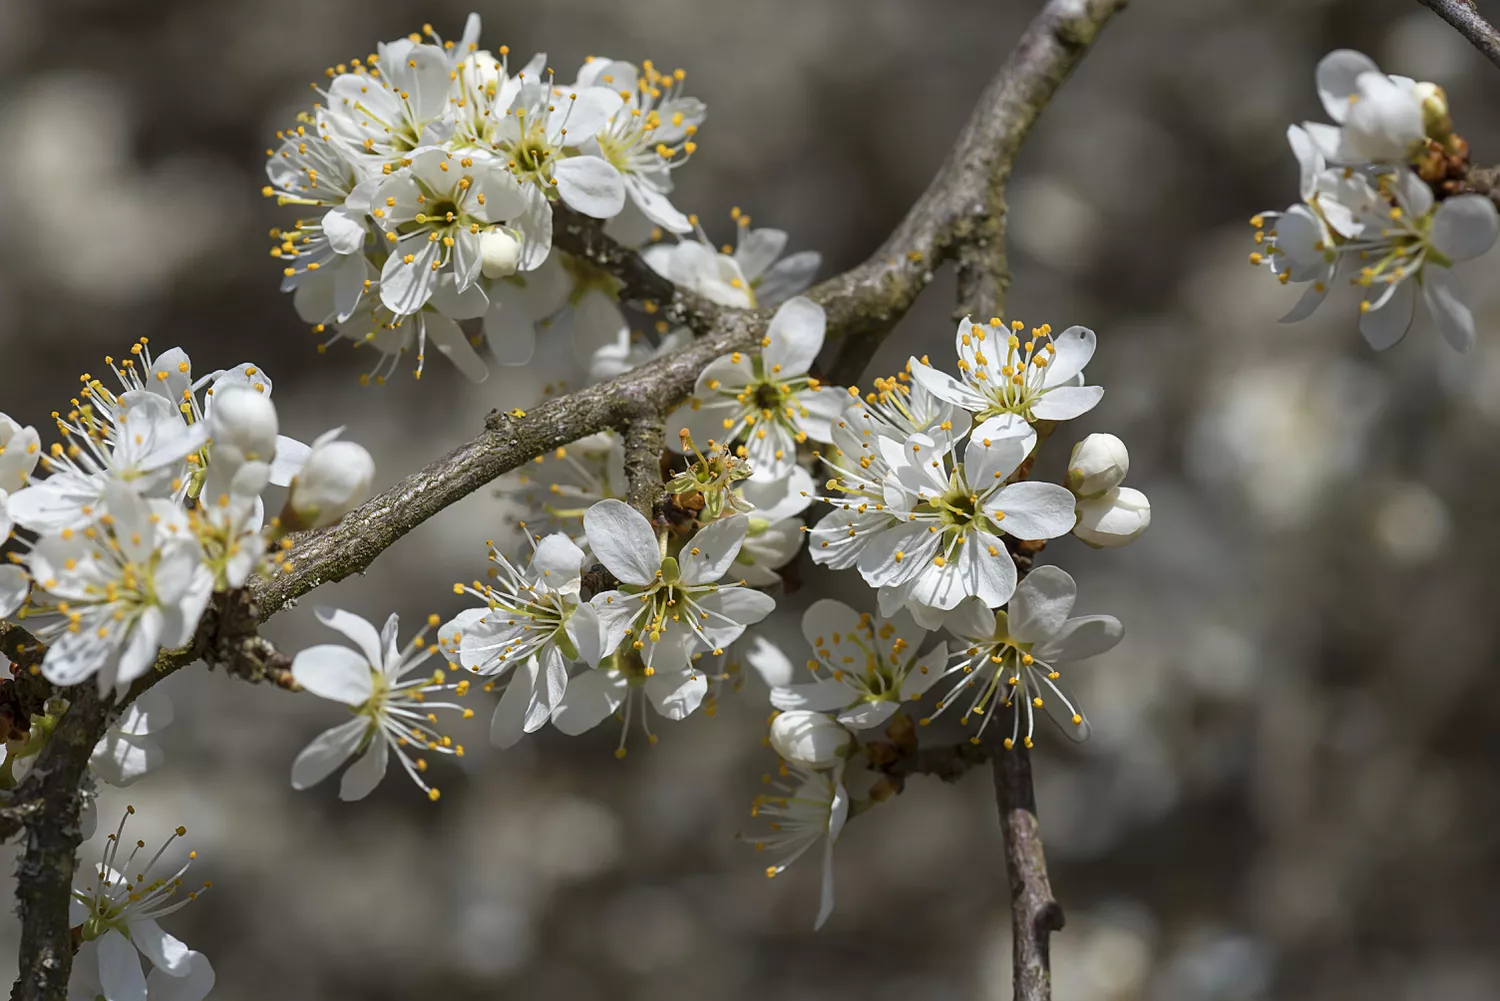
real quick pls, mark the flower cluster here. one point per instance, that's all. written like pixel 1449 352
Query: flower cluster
pixel 151 503
pixel 428 175
pixel 1381 205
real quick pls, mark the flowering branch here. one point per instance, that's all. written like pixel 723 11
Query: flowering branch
pixel 1465 17
pixel 960 217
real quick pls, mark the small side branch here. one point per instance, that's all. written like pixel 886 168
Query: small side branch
pixel 1464 15
pixel 1035 915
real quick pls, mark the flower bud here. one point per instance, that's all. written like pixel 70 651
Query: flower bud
pixel 242 420
pixel 1113 519
pixel 499 252
pixel 1099 463
pixel 813 740
pixel 1435 117
pixel 334 481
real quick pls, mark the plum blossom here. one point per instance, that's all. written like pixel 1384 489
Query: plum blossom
pixel 532 626
pixel 128 749
pixel 1040 379
pixel 1115 518
pixel 864 668
pixel 933 536
pixel 1391 237
pixel 553 491
pixel 115 916
pixel 392 711
pixel 748 275
pixel 670 607
pixel 621 686
pixel 774 533
pixel 649 136
pixel 1014 655
pixel 810 739
pixel 806 807
pixel 1380 118
pixel 108 596
pixel 766 398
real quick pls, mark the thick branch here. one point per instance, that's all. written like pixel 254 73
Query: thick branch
pixel 1464 15
pixel 645 438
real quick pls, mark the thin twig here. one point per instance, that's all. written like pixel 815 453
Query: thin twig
pixel 1464 15
pixel 1035 915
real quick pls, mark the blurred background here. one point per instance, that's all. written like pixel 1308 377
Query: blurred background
pixel 1292 787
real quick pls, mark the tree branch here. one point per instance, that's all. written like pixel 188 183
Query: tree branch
pixel 645 438
pixel 961 215
pixel 1464 15
pixel 1035 915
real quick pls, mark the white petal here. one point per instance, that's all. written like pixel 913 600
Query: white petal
pixel 658 208
pixel 360 631
pixel 796 336
pixel 331 671
pixel 453 344
pixel 823 696
pixel 1086 636
pixel 1075 347
pixel 677 695
pixel 988 460
pixel 508 724
pixel 773 666
pixel 557 559
pixel 166 952
pixel 406 287
pixel 945 387
pixel 150 713
pixel 365 774
pixel 1035 510
pixel 120 969
pixel 590 699
pixel 1453 319
pixel 590 185
pixel 120 760
pixel 194 985
pixel 713 549
pixel 14 586
pixel 345 230
pixel 1041 604
pixel 510 332
pixel 1067 402
pixel 1464 227
pixel 327 751
pixel 787 277
pixel 1383 327
pixel 591 110
pixel 622 539
pixel 758 250
pixel 1337 75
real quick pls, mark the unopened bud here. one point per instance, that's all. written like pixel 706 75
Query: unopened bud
pixel 1114 519
pixel 1099 463
pixel 813 740
pixel 333 482
pixel 499 252
pixel 1435 117
pixel 243 420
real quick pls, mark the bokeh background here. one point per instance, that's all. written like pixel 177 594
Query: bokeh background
pixel 1292 788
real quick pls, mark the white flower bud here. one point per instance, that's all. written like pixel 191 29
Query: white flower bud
pixel 1434 101
pixel 334 481
pixel 1099 463
pixel 499 252
pixel 244 421
pixel 1113 519
pixel 813 740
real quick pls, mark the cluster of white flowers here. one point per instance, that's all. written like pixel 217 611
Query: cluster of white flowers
pixel 1379 204
pixel 151 503
pixel 429 171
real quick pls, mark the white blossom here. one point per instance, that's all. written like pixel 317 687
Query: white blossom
pixel 1014 656
pixel 810 739
pixel 1391 238
pixel 766 398
pixel 553 491
pixel 110 595
pixel 649 136
pixel 864 668
pixel 932 535
pixel 1115 518
pixel 1040 379
pixel 20 450
pixel 748 275
pixel 392 712
pixel 807 807
pixel 532 626
pixel 116 918
pixel 670 607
